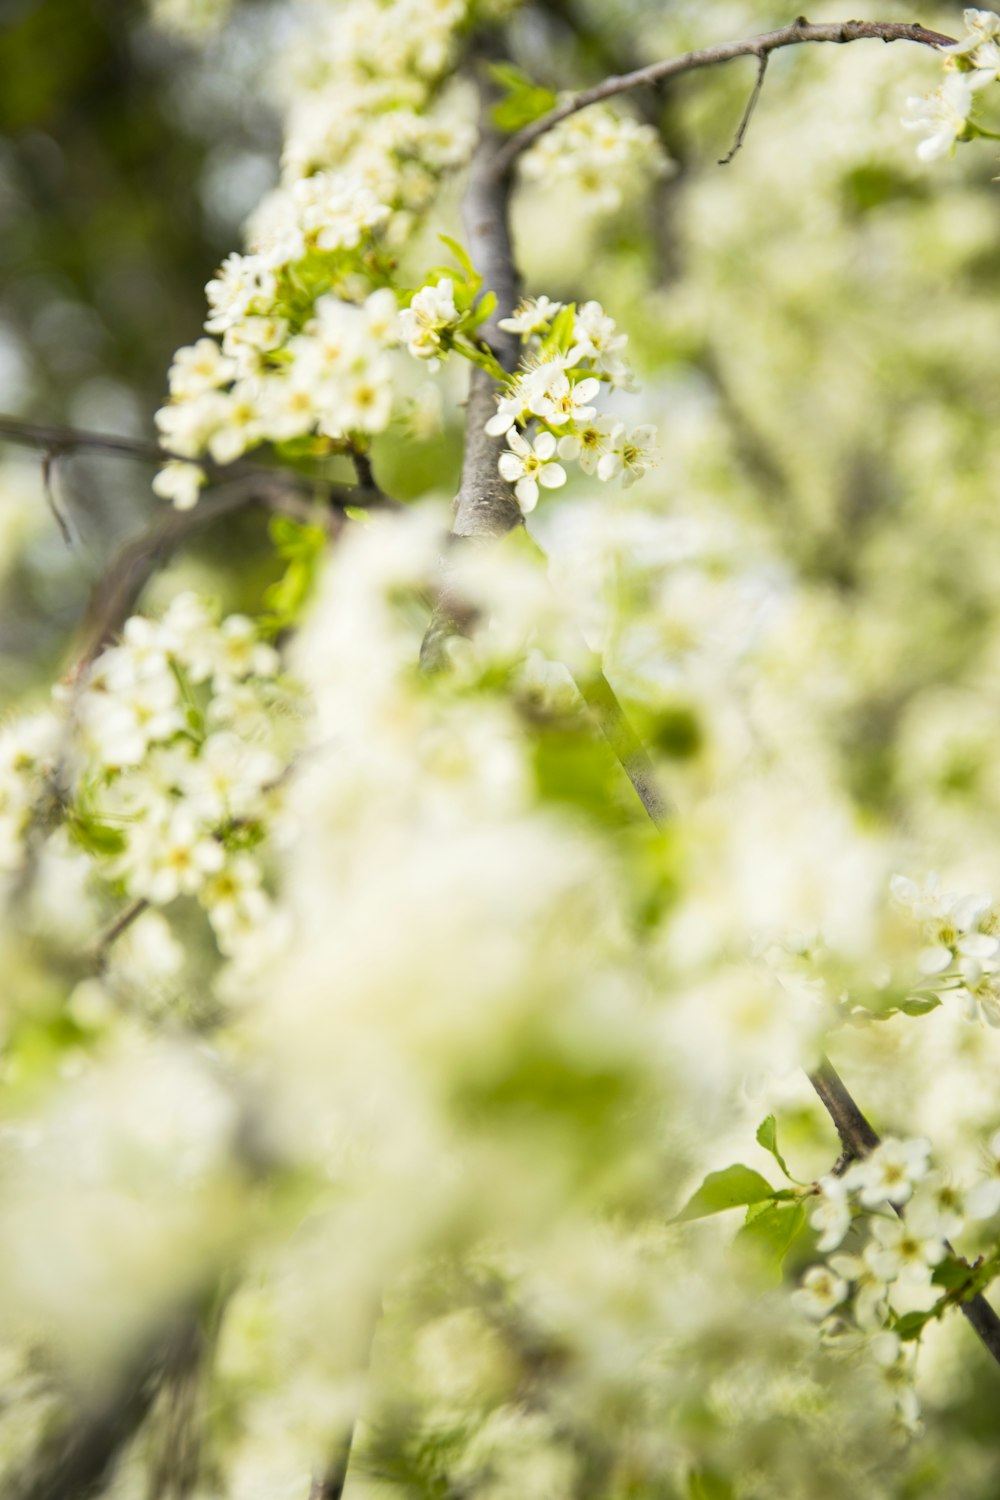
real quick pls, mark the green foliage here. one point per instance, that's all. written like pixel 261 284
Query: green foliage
pixel 523 100
pixel 301 548
pixel 733 1187
pixel 767 1136
pixel 771 1230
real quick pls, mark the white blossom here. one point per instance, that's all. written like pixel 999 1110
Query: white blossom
pixel 526 466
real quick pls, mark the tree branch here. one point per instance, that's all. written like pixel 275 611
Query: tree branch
pixel 858 1138
pixel 761 47
pixel 118 589
pixel 80 1455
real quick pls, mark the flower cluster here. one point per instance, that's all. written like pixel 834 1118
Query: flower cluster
pixel 603 155
pixel 569 353
pixel 302 323
pixel 169 760
pixel 973 63
pixel 960 956
pixel 904 1214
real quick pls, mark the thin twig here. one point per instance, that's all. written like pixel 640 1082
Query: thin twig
pixel 49 459
pixel 120 924
pixel 801 31
pixel 744 124
pixel 118 589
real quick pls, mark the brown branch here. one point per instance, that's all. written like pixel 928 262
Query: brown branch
pixel 858 1138
pixel 55 442
pixel 117 591
pixel 120 924
pixel 486 506
pixel 748 113
pixel 81 1454
pixel 798 32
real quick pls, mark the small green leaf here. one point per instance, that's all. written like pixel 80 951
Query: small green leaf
pixel 772 1229
pixel 460 253
pixel 560 335
pixel 731 1188
pixel 911 1325
pixel 950 1273
pixel 767 1136
pixel 523 101
pixel 357 513
pixel 919 1005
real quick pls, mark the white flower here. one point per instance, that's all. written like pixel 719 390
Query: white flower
pixel 243 284
pixel 239 422
pixel 628 454
pixel 527 467
pixel 596 335
pixel 198 368
pixel 569 402
pixel 937 1207
pixel 121 725
pixel 588 444
pixel 899 1249
pixel 984 1199
pixel 175 858
pixel 532 315
pixel 979 991
pixel 821 1291
pixel 869 1291
pixel 896 1366
pixel 234 900
pixel 180 483
pixel 430 313
pixel 943 115
pixel 889 1174
pixel 832 1215
pixel 980 26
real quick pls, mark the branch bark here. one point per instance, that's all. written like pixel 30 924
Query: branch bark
pixel 760 47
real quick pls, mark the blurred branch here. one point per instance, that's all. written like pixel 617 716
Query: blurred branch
pixel 80 1455
pixel 120 924
pixel 760 47
pixel 55 442
pixel 118 589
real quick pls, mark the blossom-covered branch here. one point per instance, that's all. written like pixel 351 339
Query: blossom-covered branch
pixel 760 47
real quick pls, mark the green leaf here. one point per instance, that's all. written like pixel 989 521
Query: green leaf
pixel 460 253
pixel 771 1229
pixel 523 101
pixel 950 1273
pixel 357 513
pixel 560 335
pixel 97 838
pixel 911 1325
pixel 767 1136
pixel 707 1484
pixel 918 1005
pixel 731 1188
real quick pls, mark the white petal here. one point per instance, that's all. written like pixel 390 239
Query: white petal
pixel 552 476
pixel 934 960
pixel 545 445
pixel 510 467
pixel 526 491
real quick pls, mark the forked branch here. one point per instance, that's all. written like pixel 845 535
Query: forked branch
pixel 760 47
